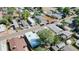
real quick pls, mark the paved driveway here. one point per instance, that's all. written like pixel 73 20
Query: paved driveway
pixel 70 48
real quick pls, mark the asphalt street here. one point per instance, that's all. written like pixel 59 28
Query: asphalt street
pixel 22 32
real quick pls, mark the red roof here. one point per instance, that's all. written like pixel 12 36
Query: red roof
pixel 17 44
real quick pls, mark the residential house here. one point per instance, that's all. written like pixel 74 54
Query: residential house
pixel 41 19
pixel 59 46
pixel 55 28
pixel 59 31
pixel 52 12
pixel 15 24
pixel 17 44
pixel 66 34
pixel 57 15
pixel 31 21
pixel 55 48
pixel 32 39
pixel 25 24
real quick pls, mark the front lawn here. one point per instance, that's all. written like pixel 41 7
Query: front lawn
pixel 40 49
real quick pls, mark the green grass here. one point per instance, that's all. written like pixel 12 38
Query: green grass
pixel 40 49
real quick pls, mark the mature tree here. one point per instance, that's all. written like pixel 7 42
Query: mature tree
pixel 77 11
pixel 8 18
pixel 25 14
pixel 48 37
pixel 60 9
pixel 77 21
pixel 27 8
pixel 44 34
pixel 53 39
pixel 10 10
pixel 66 10
pixel 5 22
pixel 56 39
pixel 76 24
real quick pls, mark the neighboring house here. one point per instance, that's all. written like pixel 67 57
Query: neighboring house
pixel 55 28
pixel 25 24
pixel 66 34
pixel 17 44
pixel 55 48
pixel 41 19
pixel 31 21
pixel 2 28
pixel 15 24
pixel 3 45
pixel 57 15
pixel 50 12
pixel 59 31
pixel 32 39
pixel 21 23
pixel 59 46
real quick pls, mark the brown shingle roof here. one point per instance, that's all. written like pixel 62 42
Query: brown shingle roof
pixel 17 44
